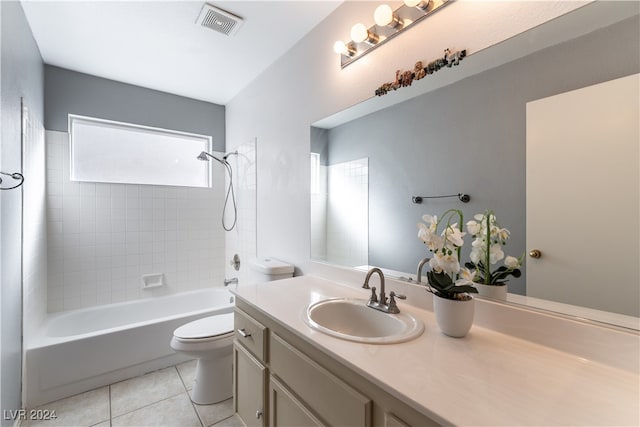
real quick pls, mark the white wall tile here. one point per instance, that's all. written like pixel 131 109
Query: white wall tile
pixel 107 235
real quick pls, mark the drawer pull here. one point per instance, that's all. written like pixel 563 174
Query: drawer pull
pixel 258 414
pixel 243 333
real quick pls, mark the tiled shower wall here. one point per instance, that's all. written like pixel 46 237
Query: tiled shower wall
pixel 34 231
pixel 340 214
pixel 103 237
pixel 348 213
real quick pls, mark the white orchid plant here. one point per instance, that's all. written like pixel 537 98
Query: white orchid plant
pixel 446 279
pixel 486 250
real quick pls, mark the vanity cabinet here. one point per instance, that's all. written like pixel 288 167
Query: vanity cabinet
pixel 250 374
pixel 281 379
pixel 249 379
pixel 332 399
pixel 286 410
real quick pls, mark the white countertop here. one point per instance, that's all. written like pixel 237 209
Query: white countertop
pixel 486 378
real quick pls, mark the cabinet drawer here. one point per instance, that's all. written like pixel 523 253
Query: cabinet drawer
pixel 338 403
pixel 250 333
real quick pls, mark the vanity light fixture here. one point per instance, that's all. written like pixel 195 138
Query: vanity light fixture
pixel 360 33
pixel 388 24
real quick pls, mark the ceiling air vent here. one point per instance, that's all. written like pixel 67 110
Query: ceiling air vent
pixel 219 20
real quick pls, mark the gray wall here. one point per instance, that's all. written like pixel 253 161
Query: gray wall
pixel 320 143
pixel 469 137
pixel 70 92
pixel 22 75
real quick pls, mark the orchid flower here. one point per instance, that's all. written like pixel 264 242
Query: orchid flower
pixel 486 249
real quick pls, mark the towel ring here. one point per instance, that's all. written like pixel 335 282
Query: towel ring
pixel 17 176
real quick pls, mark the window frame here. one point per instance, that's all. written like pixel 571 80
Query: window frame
pixel 74 118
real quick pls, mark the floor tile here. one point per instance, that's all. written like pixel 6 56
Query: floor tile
pixel 84 409
pixel 135 393
pixel 233 421
pixel 176 411
pixel 211 414
pixel 187 371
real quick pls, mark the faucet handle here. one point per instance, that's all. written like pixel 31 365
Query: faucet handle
pixel 393 307
pixel 399 296
pixel 374 297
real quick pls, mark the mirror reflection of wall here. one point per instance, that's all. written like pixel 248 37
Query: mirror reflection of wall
pixel 339 206
pixel 470 137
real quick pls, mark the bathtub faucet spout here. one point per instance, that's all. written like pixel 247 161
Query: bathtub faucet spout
pixel 233 280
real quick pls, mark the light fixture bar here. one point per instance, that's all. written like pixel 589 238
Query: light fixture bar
pixel 406 15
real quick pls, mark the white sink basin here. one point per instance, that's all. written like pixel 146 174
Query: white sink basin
pixel 352 320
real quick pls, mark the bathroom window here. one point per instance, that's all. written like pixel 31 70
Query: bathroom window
pixel 116 152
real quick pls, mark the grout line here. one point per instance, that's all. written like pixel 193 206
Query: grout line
pixel 193 405
pixel 110 415
pixel 153 403
pixel 224 419
pixel 184 384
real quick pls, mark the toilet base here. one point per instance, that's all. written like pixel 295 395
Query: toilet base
pixel 213 381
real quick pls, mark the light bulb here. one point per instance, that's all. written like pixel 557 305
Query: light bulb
pixel 383 15
pixel 359 33
pixel 339 47
pixel 420 4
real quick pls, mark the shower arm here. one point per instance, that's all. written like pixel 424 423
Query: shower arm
pixel 203 156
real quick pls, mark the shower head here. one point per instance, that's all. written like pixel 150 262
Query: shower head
pixel 205 156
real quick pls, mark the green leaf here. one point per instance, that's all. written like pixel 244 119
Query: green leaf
pixel 464 288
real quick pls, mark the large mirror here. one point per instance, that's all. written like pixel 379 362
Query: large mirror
pixel 471 137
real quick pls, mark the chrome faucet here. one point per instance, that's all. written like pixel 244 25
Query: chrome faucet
pixel 421 264
pixel 381 302
pixel 233 280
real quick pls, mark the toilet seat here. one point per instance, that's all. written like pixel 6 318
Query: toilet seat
pixel 207 329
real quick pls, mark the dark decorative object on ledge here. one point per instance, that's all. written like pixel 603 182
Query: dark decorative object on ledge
pixel 405 78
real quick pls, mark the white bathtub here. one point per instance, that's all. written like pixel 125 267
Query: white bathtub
pixel 80 350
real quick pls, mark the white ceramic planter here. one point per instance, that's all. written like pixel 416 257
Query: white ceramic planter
pixel 492 291
pixel 454 317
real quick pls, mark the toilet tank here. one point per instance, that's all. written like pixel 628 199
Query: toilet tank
pixel 268 269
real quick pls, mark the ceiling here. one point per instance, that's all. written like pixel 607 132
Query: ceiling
pixel 157 45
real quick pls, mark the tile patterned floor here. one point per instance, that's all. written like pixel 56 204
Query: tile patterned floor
pixel 159 398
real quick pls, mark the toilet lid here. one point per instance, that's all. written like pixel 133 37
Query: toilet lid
pixel 208 327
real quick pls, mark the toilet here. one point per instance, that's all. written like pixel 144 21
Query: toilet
pixel 210 340
pixel 268 270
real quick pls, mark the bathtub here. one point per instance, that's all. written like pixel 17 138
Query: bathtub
pixel 81 350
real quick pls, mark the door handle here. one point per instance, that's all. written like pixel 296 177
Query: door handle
pixel 535 253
